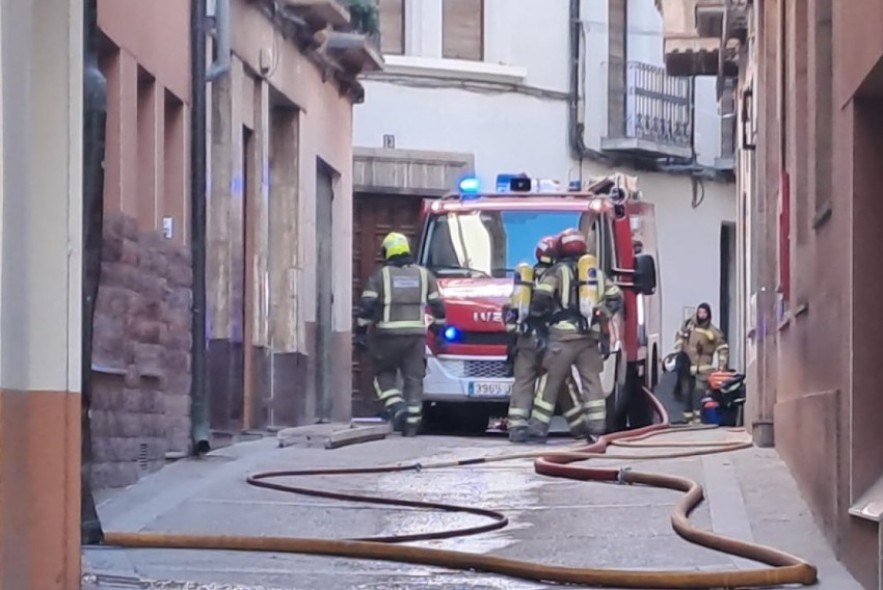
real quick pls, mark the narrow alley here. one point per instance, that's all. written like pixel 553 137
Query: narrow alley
pixel 440 294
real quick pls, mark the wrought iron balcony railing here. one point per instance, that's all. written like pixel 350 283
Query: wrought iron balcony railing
pixel 658 106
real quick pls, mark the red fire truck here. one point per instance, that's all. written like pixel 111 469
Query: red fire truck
pixel 472 240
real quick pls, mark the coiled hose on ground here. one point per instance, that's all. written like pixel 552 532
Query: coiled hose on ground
pixel 784 567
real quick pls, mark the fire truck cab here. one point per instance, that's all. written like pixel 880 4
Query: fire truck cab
pixel 472 241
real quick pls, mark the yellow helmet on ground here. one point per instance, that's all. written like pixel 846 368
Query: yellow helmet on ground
pixel 394 244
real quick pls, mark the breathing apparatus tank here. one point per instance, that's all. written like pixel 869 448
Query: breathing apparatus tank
pixel 591 286
pixel 522 291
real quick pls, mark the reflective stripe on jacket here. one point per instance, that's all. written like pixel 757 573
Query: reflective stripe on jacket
pixel 395 299
pixel 702 343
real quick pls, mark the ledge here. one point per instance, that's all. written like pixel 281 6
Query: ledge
pixel 456 69
pixel 319 13
pixel 644 147
pixel 869 506
pixel 725 163
pixel 355 52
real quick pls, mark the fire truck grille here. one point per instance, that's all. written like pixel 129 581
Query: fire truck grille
pixel 484 338
pixel 476 369
pixel 485 369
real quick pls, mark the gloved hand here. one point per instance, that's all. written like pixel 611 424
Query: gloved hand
pixel 435 330
pixel 604 348
pixel 542 344
pixel 694 369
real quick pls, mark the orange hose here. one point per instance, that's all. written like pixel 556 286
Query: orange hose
pixel 785 568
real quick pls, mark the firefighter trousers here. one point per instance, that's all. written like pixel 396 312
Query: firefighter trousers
pixel 693 389
pixel 561 355
pixel 406 354
pixel 529 379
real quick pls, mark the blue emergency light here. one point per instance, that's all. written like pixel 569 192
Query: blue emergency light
pixel 469 185
pixel 451 334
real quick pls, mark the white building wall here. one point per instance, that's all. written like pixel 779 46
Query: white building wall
pixel 511 112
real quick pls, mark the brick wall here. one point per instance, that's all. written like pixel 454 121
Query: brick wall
pixel 141 353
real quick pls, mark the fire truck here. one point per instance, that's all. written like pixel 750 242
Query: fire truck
pixel 473 239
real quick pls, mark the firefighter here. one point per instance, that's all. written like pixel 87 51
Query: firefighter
pixel 700 340
pixel 394 301
pixel 571 298
pixel 524 354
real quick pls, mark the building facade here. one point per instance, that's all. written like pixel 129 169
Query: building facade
pixel 280 214
pixel 497 86
pixel 280 92
pixel 141 339
pixel 810 96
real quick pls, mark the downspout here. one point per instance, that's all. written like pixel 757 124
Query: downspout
pixel 198 384
pixel 576 128
pixel 221 65
pixel 94 125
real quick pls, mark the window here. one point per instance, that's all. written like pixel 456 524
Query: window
pixel 463 29
pixel 491 243
pixel 392 26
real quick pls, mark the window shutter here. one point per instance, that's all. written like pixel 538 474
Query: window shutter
pixel 463 29
pixel 392 26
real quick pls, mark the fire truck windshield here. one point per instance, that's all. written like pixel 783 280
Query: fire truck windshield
pixel 490 243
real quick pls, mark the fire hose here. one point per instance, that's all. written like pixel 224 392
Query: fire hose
pixel 784 567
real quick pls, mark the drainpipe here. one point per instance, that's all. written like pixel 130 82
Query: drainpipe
pixel 576 127
pixel 198 384
pixel 221 64
pixel 94 125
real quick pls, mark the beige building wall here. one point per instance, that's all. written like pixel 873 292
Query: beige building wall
pixel 40 232
pixel 274 234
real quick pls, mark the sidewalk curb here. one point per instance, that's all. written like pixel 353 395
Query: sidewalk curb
pixel 331 436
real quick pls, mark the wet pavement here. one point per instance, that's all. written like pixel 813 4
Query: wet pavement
pixel 750 495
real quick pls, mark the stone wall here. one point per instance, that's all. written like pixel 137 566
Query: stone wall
pixel 141 353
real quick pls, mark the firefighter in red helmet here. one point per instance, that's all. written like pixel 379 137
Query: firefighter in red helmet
pixel 574 335
pixel 525 350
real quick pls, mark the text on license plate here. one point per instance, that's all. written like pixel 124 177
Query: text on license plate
pixel 478 389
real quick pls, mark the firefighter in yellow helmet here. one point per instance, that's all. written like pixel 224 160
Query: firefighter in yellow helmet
pixel 525 356
pixel 576 333
pixel 394 302
pixel 700 340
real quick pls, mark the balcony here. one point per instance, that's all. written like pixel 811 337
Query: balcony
pixel 702 37
pixel 657 115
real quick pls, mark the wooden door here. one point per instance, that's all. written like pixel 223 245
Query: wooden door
pixel 374 216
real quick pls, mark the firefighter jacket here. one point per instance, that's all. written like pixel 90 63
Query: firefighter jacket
pixel 556 300
pixel 701 341
pixel 395 299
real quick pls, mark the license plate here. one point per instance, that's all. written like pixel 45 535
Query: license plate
pixel 489 390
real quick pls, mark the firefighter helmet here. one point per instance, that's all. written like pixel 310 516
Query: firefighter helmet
pixel 572 243
pixel 394 244
pixel 547 250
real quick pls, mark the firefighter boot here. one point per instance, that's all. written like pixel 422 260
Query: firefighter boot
pixel 536 437
pixel 398 416
pixel 410 430
pixel 518 435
